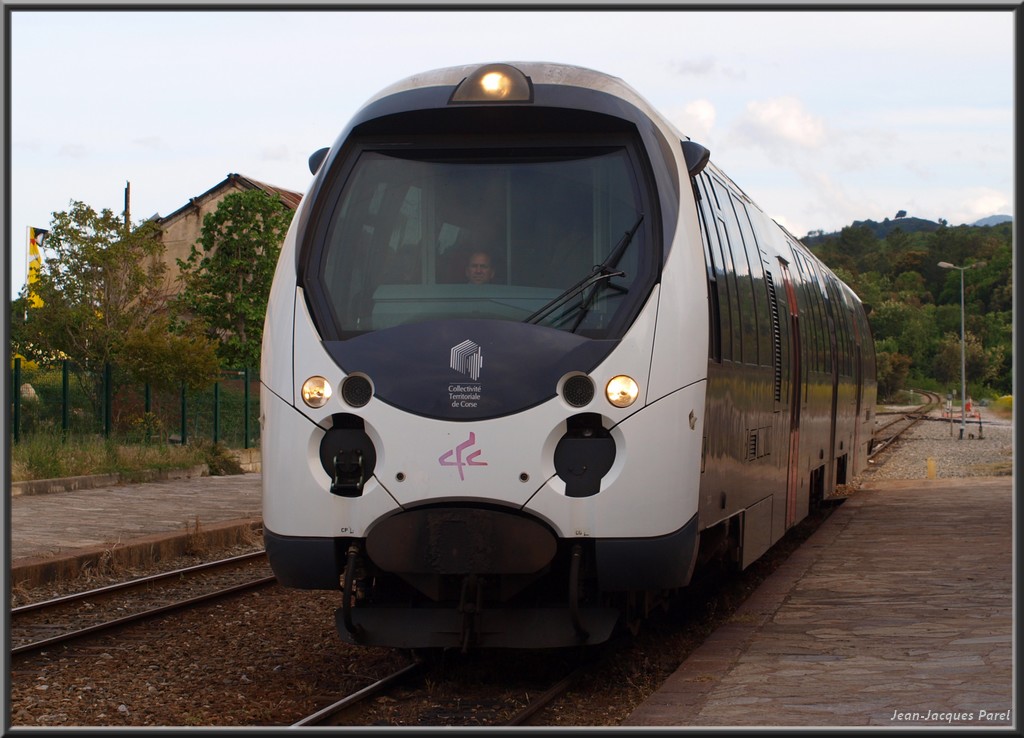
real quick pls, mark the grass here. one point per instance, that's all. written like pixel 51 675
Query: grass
pixel 1002 407
pixel 47 456
pixel 994 469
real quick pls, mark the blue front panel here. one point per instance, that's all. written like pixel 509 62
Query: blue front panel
pixel 467 369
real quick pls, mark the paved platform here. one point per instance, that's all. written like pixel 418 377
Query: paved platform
pixel 897 612
pixel 60 533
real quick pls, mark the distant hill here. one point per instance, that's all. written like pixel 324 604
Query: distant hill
pixel 907 225
pixel 993 220
pixel 880 230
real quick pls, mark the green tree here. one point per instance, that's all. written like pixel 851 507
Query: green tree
pixel 100 280
pixel 909 287
pixel 101 287
pixel 892 369
pixel 947 360
pixel 227 285
pixel 915 302
pixel 19 337
pixel 166 359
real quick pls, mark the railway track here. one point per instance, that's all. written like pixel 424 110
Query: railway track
pixel 887 433
pixel 37 626
pixel 413 682
pixel 468 693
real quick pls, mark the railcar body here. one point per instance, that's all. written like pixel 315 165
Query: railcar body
pixel 655 373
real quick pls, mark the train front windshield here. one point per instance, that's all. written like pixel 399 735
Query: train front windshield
pixel 551 236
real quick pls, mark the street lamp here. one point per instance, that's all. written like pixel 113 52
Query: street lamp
pixel 963 350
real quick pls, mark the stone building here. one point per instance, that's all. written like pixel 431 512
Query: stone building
pixel 181 229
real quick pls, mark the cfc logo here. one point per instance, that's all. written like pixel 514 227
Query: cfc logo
pixel 460 460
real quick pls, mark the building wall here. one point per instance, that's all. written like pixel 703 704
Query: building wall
pixel 181 230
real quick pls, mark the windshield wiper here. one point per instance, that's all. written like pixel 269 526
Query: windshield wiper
pixel 601 272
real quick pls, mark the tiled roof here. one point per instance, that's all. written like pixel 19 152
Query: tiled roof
pixel 288 197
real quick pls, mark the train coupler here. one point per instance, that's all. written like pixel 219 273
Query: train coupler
pixel 349 474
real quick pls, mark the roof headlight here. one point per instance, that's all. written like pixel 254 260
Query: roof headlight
pixel 316 391
pixel 494 83
pixel 622 391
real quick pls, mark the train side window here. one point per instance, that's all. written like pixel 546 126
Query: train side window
pixel 724 277
pixel 762 309
pixel 740 293
pixel 824 332
pixel 744 279
pixel 710 241
pixel 813 318
pixel 818 291
pixel 850 328
pixel 844 310
pixel 842 334
pixel 735 308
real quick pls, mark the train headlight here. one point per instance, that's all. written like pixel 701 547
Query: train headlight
pixel 494 83
pixel 316 391
pixel 622 391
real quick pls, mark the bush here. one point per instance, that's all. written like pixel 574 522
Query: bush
pixel 219 459
pixel 1003 406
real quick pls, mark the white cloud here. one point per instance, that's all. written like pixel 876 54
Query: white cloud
pixel 980 203
pixel 783 119
pixel 149 142
pixel 696 119
pixel 706 66
pixel 945 117
pixel 73 151
pixel 276 152
pixel 968 204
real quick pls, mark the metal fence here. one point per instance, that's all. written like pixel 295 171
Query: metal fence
pixel 64 399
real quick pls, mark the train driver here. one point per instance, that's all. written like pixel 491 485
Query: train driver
pixel 479 269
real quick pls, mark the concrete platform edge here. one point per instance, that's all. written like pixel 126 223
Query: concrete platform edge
pixel 144 551
pixel 92 481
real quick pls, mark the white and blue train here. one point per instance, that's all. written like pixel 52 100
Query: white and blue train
pixel 644 370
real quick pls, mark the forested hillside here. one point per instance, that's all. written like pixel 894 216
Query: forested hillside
pixel 915 304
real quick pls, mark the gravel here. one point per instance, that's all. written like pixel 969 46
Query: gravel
pixel 984 452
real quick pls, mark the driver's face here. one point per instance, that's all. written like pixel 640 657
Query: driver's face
pixel 479 270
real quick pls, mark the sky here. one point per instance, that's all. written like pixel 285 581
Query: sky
pixel 822 117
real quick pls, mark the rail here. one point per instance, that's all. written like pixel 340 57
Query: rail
pixel 42 614
pixel 883 438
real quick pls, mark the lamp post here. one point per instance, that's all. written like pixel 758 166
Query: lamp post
pixel 963 349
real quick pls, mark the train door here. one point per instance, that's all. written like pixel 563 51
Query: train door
pixel 829 323
pixel 858 379
pixel 795 388
pixel 833 329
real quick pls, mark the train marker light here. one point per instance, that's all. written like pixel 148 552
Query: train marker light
pixel 622 391
pixel 316 391
pixel 494 83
